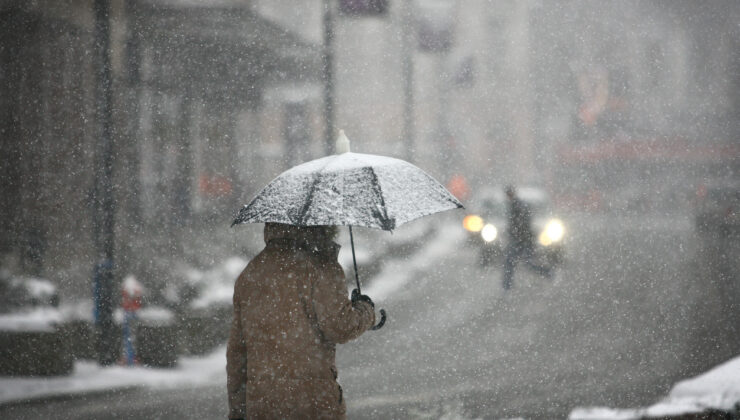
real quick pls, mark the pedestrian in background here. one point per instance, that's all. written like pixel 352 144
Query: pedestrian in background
pixel 520 245
pixel 290 310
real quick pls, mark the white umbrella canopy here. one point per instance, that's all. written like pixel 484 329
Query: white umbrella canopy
pixel 349 189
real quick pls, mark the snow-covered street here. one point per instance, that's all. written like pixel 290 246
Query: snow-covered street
pixel 593 340
pixel 532 206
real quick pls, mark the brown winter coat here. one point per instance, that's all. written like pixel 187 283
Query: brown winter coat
pixel 290 310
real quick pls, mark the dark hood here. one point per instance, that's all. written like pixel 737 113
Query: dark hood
pixel 308 238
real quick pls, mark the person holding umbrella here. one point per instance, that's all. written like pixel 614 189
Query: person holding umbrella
pixel 290 303
pixel 290 310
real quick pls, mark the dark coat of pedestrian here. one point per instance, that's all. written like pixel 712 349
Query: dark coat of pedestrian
pixel 520 244
pixel 290 310
pixel 519 226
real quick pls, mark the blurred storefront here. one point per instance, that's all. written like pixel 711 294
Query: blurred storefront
pixel 189 82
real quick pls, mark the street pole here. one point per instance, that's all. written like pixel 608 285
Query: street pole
pixel 444 134
pixel 328 73
pixel 103 193
pixel 407 69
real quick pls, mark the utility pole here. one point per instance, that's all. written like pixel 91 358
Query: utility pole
pixel 103 204
pixel 328 73
pixel 521 118
pixel 407 70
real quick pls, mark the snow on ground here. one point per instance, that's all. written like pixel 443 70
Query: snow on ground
pixel 718 388
pixel 39 319
pixel 396 274
pixel 88 377
pixel 193 371
pixel 217 284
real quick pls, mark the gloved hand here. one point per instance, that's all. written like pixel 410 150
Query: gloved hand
pixel 356 296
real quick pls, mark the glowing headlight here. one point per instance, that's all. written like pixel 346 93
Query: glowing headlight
pixel 489 232
pixel 473 223
pixel 553 232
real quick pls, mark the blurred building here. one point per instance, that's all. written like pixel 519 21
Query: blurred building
pixel 190 87
pixel 530 91
pixel 636 102
pixel 602 103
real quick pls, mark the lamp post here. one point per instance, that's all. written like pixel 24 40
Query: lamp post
pixel 407 70
pixel 103 207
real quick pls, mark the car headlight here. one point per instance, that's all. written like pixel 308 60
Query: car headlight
pixel 553 232
pixel 489 232
pixel 473 223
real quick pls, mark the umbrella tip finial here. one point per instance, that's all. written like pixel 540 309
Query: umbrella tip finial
pixel 342 145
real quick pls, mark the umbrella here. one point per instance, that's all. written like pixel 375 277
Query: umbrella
pixel 349 189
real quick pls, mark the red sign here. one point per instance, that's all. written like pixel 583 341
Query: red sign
pixel 214 185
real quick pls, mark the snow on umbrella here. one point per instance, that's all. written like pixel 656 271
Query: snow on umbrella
pixel 349 189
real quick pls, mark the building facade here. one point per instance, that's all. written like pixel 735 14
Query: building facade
pixel 189 87
pixel 211 99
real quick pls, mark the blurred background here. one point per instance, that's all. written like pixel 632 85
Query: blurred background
pixel 133 130
pixel 616 107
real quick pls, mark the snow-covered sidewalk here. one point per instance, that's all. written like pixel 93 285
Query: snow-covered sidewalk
pixel 717 389
pixel 397 273
pixel 90 377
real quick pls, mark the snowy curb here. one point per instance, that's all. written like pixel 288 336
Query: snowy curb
pixel 396 273
pixel 89 377
pixel 717 389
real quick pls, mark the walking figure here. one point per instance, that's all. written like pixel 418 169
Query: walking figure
pixel 520 245
pixel 291 309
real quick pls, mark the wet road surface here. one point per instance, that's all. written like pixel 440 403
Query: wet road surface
pixel 633 310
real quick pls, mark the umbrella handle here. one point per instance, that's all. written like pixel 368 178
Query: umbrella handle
pixel 382 321
pixel 357 280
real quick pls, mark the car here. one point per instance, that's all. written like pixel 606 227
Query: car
pixel 486 225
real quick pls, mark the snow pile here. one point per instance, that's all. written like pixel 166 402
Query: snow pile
pixel 132 287
pixel 28 304
pixel 80 310
pixel 22 292
pixel 717 389
pixel 40 289
pixel 396 274
pixel 151 316
pixel 216 286
pixel 38 319
pixel 362 253
pixel 156 316
pixel 89 377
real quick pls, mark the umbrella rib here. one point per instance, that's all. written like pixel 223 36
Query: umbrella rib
pixel 388 224
pixel 309 196
pixel 450 198
pixel 309 199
